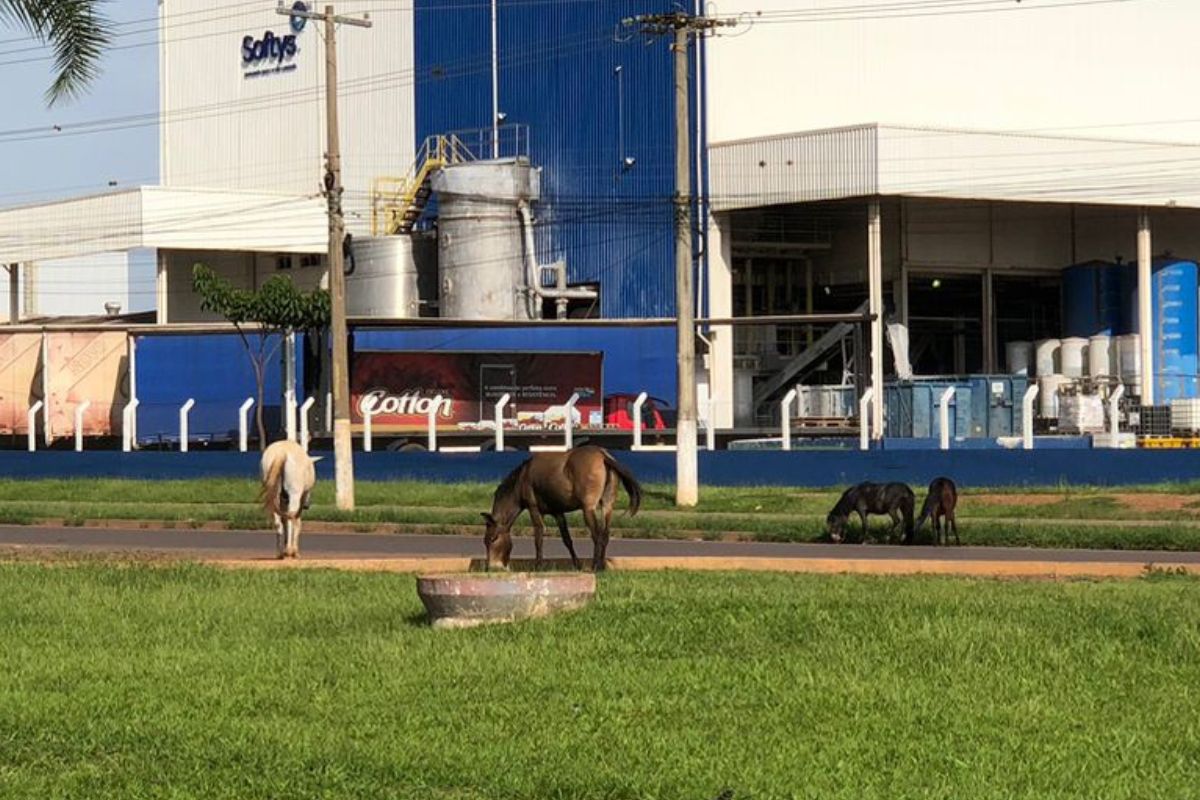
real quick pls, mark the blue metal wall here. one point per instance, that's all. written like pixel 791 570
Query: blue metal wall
pixel 215 371
pixel 635 359
pixel 970 468
pixel 559 75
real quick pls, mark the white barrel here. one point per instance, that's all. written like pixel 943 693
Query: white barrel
pixel 1072 355
pixel 1129 357
pixel 1047 356
pixel 1048 394
pixel 1019 356
pixel 1100 356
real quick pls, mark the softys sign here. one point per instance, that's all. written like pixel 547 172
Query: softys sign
pixel 399 389
pixel 271 52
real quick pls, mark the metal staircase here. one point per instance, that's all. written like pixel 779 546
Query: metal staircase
pixel 767 390
pixel 397 203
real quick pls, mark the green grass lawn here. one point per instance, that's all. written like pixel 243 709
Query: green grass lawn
pixel 1076 518
pixel 126 681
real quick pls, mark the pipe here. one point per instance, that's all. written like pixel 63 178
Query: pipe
pixel 533 269
pixel 785 417
pixel 1113 402
pixel 569 421
pixel 243 429
pixel 183 424
pixel 944 416
pixel 431 422
pixel 32 423
pixel 79 410
pixel 304 437
pixel 500 404
pixel 368 440
pixel 637 420
pixel 1027 416
pixel 864 421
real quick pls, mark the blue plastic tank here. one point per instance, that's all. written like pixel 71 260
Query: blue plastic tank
pixel 1173 288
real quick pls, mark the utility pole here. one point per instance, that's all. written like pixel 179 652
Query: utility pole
pixel 683 28
pixel 343 454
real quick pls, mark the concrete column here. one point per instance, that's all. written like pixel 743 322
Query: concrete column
pixel 14 293
pixel 988 319
pixel 161 289
pixel 720 304
pixel 29 303
pixel 875 297
pixel 1145 308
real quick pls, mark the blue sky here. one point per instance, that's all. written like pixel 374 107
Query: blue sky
pixel 56 166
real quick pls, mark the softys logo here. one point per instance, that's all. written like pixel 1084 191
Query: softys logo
pixel 269 48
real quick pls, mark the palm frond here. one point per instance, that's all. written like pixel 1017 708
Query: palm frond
pixel 75 30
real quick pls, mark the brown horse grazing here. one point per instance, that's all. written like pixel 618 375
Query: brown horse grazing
pixel 553 484
pixel 940 504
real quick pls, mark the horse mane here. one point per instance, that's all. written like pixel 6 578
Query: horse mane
pixel 845 503
pixel 509 484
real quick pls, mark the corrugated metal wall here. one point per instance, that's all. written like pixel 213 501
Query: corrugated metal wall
pixel 225 127
pixel 592 94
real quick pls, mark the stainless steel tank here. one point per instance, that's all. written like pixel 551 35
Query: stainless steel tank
pixel 481 256
pixel 383 282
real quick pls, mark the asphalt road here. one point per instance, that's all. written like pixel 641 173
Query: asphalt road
pixel 257 544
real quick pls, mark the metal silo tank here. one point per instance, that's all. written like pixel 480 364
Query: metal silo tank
pixel 481 256
pixel 383 281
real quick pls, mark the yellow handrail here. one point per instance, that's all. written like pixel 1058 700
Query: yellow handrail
pixel 396 203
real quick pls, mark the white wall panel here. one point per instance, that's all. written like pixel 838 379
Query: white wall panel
pixel 225 130
pixel 1076 69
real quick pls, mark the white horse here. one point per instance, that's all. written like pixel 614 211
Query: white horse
pixel 288 478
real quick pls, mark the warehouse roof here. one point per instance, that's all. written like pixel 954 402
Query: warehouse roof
pixel 893 160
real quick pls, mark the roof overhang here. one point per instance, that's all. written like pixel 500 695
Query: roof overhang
pixel 890 160
pixel 166 218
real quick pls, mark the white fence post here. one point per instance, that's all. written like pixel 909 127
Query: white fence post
pixel 1027 417
pixel 243 429
pixel 1113 427
pixel 944 416
pixel 304 422
pixel 329 412
pixel 637 420
pixel 31 421
pixel 431 423
pixel 785 417
pixel 368 433
pixel 864 421
pixel 710 431
pixel 290 413
pixel 128 424
pixel 500 404
pixel 569 421
pixel 183 423
pixel 80 408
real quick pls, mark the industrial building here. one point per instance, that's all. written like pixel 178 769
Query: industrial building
pixel 515 161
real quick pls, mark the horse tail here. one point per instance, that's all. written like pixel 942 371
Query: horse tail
pixel 931 503
pixel 632 487
pixel 272 481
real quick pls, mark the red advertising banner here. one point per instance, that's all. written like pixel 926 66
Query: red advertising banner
pixel 399 388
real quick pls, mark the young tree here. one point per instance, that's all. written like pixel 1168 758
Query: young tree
pixel 74 29
pixel 273 311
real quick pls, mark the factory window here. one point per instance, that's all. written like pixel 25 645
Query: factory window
pixel 310 260
pixel 945 319
pixel 1028 308
pixel 283 262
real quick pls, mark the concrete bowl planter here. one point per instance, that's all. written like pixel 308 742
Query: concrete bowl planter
pixel 469 599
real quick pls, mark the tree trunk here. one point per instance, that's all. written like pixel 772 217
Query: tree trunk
pixel 258 410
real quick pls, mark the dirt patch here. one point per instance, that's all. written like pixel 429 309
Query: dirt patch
pixel 1014 499
pixel 1152 502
